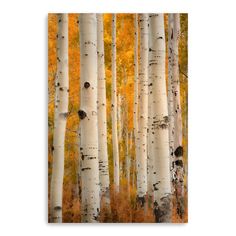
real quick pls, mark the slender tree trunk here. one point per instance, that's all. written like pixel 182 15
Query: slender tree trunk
pixel 171 95
pixel 178 146
pixel 135 113
pixel 151 146
pixel 88 118
pixel 162 186
pixel 102 116
pixel 114 109
pixel 61 113
pixel 143 107
pixel 119 117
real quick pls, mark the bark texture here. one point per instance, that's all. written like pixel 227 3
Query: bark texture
pixel 171 94
pixel 178 165
pixel 150 139
pixel 114 109
pixel 61 113
pixel 143 108
pixel 88 118
pixel 162 186
pixel 136 90
pixel 102 116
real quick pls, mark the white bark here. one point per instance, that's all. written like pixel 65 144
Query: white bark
pixel 171 93
pixel 178 146
pixel 119 117
pixel 143 109
pixel 88 118
pixel 162 186
pixel 150 140
pixel 61 113
pixel 114 108
pixel 135 113
pixel 102 116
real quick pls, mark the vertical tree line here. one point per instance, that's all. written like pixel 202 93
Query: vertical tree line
pixel 156 135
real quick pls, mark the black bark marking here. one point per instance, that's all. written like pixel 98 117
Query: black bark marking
pixel 58 59
pixel 86 54
pixel 160 38
pixel 82 114
pixel 179 163
pixel 179 151
pixel 58 84
pixel 86 85
pixel 57 208
pixel 157 212
pixel 86 168
pixel 141 201
pixel 171 33
pixel 61 89
pixel 52 148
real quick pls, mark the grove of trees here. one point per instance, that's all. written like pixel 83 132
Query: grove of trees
pixel 117 118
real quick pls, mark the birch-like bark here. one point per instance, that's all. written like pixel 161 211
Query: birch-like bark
pixel 135 113
pixel 150 140
pixel 162 186
pixel 114 109
pixel 102 116
pixel 171 95
pixel 143 108
pixel 61 113
pixel 119 117
pixel 88 118
pixel 178 146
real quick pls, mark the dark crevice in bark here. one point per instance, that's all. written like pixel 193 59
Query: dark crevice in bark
pixel 82 114
pixel 179 151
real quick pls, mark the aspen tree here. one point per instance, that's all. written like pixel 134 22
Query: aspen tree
pixel 161 175
pixel 178 146
pixel 171 93
pixel 114 109
pixel 135 113
pixel 102 116
pixel 61 113
pixel 88 118
pixel 143 111
pixel 151 150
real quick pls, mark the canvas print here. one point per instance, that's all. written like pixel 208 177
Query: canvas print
pixel 117 118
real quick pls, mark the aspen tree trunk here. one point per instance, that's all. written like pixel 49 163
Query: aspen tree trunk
pixel 135 113
pixel 151 150
pixel 178 146
pixel 119 117
pixel 114 109
pixel 171 94
pixel 143 108
pixel 61 113
pixel 161 175
pixel 102 116
pixel 88 118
